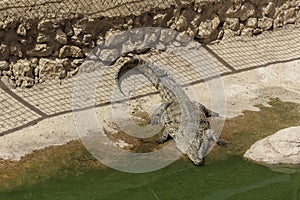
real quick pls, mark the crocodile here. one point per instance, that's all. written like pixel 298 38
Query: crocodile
pixel 183 120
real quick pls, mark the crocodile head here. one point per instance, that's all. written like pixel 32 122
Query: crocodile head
pixel 199 146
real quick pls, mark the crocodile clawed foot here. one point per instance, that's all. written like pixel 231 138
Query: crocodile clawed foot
pixel 199 162
pixel 221 143
pixel 214 114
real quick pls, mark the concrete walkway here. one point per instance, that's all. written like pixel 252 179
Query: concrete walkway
pixel 21 108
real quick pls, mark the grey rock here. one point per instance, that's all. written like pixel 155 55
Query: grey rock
pixel 45 26
pixel 21 30
pixel 50 69
pixel 23 73
pixel 4 73
pixel 191 32
pixel 251 23
pixel 278 22
pixel 289 16
pixel 208 27
pixel 70 51
pixel 269 10
pixel 232 23
pixel 159 19
pixel 61 37
pixel 8 82
pixel 257 31
pixel 234 9
pixel 76 40
pixel 100 41
pixel 27 82
pixel 228 33
pixel 77 62
pixel 22 68
pixel 181 24
pixel 9 73
pixel 4 65
pixel 196 21
pixel 77 31
pixel 42 38
pixel 40 50
pixel 281 147
pixel 247 10
pixel 204 30
pixel 247 32
pixel 220 34
pixel 87 39
pixel 265 23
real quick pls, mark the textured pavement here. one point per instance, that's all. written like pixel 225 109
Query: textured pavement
pixel 23 107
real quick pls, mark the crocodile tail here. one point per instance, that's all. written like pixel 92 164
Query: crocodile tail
pixel 137 66
pixel 128 69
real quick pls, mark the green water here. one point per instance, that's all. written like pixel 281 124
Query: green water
pixel 225 174
pixel 230 179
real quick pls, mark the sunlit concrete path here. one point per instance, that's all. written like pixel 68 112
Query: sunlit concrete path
pixel 49 101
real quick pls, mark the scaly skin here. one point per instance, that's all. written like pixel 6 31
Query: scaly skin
pixel 185 121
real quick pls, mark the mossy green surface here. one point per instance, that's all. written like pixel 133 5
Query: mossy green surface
pixel 230 179
pixel 226 175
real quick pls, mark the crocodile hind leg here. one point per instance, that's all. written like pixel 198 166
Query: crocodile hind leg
pixel 208 112
pixel 156 117
pixel 165 136
pixel 212 135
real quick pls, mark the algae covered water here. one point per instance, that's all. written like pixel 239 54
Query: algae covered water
pixel 225 174
pixel 233 178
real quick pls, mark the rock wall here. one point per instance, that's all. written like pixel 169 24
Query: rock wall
pixel 35 50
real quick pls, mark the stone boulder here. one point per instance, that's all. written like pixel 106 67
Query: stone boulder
pixel 23 73
pixel 207 28
pixel 70 51
pixel 265 23
pixel 4 65
pixel 61 37
pixel 247 10
pixel 40 50
pixel 50 69
pixel 282 147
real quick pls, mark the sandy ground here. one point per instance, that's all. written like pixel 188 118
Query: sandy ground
pixel 242 91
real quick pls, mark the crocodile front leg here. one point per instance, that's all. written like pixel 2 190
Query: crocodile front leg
pixel 208 112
